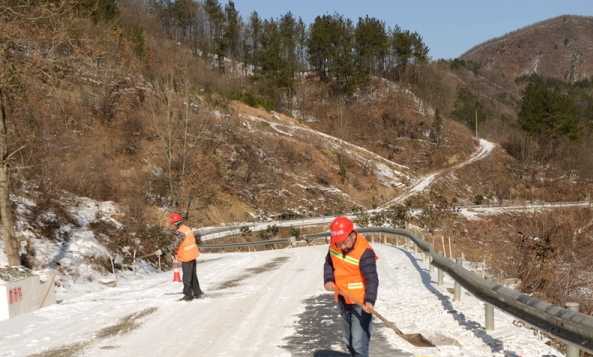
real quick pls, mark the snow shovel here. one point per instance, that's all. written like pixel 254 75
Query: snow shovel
pixel 414 338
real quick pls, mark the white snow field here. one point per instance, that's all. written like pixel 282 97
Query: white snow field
pixel 254 306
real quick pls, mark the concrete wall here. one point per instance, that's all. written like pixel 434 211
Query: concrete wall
pixel 27 295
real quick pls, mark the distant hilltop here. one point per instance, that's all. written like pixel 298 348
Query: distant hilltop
pixel 561 47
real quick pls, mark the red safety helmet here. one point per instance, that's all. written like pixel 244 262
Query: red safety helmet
pixel 340 228
pixel 175 218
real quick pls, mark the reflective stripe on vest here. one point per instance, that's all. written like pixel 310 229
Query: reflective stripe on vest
pixel 355 285
pixel 347 259
pixel 190 246
pixel 187 231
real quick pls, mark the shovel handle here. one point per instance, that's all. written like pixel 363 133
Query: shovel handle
pixel 359 303
pixel 158 252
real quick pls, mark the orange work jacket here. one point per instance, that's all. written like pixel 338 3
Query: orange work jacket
pixel 187 250
pixel 347 274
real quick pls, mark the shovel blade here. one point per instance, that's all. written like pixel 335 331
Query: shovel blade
pixel 417 340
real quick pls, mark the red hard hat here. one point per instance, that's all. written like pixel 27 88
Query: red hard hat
pixel 340 228
pixel 175 218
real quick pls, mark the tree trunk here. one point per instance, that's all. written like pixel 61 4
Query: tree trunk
pixel 10 241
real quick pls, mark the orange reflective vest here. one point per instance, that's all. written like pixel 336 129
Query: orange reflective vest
pixel 347 274
pixel 187 250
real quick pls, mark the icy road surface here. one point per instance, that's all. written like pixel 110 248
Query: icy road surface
pixel 268 303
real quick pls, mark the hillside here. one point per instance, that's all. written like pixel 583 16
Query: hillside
pixel 561 47
pixel 161 129
pixel 493 77
pixel 148 137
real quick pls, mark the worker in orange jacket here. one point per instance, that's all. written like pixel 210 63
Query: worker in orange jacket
pixel 186 251
pixel 350 266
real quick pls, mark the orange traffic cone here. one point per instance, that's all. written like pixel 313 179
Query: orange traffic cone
pixel 176 276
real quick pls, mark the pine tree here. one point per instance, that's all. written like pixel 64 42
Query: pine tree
pixel 217 21
pixel 406 48
pixel 330 51
pixel 252 42
pixel 371 47
pixel 232 30
pixel 438 128
pixel 547 113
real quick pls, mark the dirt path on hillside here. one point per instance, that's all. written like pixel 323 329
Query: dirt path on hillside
pixel 423 182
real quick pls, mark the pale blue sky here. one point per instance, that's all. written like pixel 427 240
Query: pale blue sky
pixel 449 28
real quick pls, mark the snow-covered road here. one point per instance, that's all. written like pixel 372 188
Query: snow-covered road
pixel 257 304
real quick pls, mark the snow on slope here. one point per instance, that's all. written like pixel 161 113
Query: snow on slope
pixel 254 303
pixel 74 245
pixel 388 172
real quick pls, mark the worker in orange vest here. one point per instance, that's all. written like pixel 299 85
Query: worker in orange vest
pixel 186 251
pixel 350 266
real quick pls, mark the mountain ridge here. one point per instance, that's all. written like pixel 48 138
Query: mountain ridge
pixel 560 47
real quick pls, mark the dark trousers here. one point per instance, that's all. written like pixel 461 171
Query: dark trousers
pixel 190 279
pixel 356 330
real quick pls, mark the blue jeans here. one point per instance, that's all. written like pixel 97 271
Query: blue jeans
pixel 356 330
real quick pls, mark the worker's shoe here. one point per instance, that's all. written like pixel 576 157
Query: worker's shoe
pixel 185 298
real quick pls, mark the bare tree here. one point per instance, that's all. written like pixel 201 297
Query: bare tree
pixel 194 123
pixel 10 241
pixel 158 115
pixel 175 118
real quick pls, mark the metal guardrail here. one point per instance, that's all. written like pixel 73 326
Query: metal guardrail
pixel 290 240
pixel 221 231
pixel 570 326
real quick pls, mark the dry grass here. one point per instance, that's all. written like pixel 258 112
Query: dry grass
pixel 253 271
pixel 548 252
pixel 126 324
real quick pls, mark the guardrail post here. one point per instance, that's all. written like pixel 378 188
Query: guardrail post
pixel 440 273
pixel 430 266
pixel 397 241
pixel 457 291
pixel 571 350
pixel 415 248
pixel 489 308
pixel 407 243
pixel 423 255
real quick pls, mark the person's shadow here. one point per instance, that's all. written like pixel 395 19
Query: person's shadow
pixel 318 332
pixel 477 329
pixel 65 237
